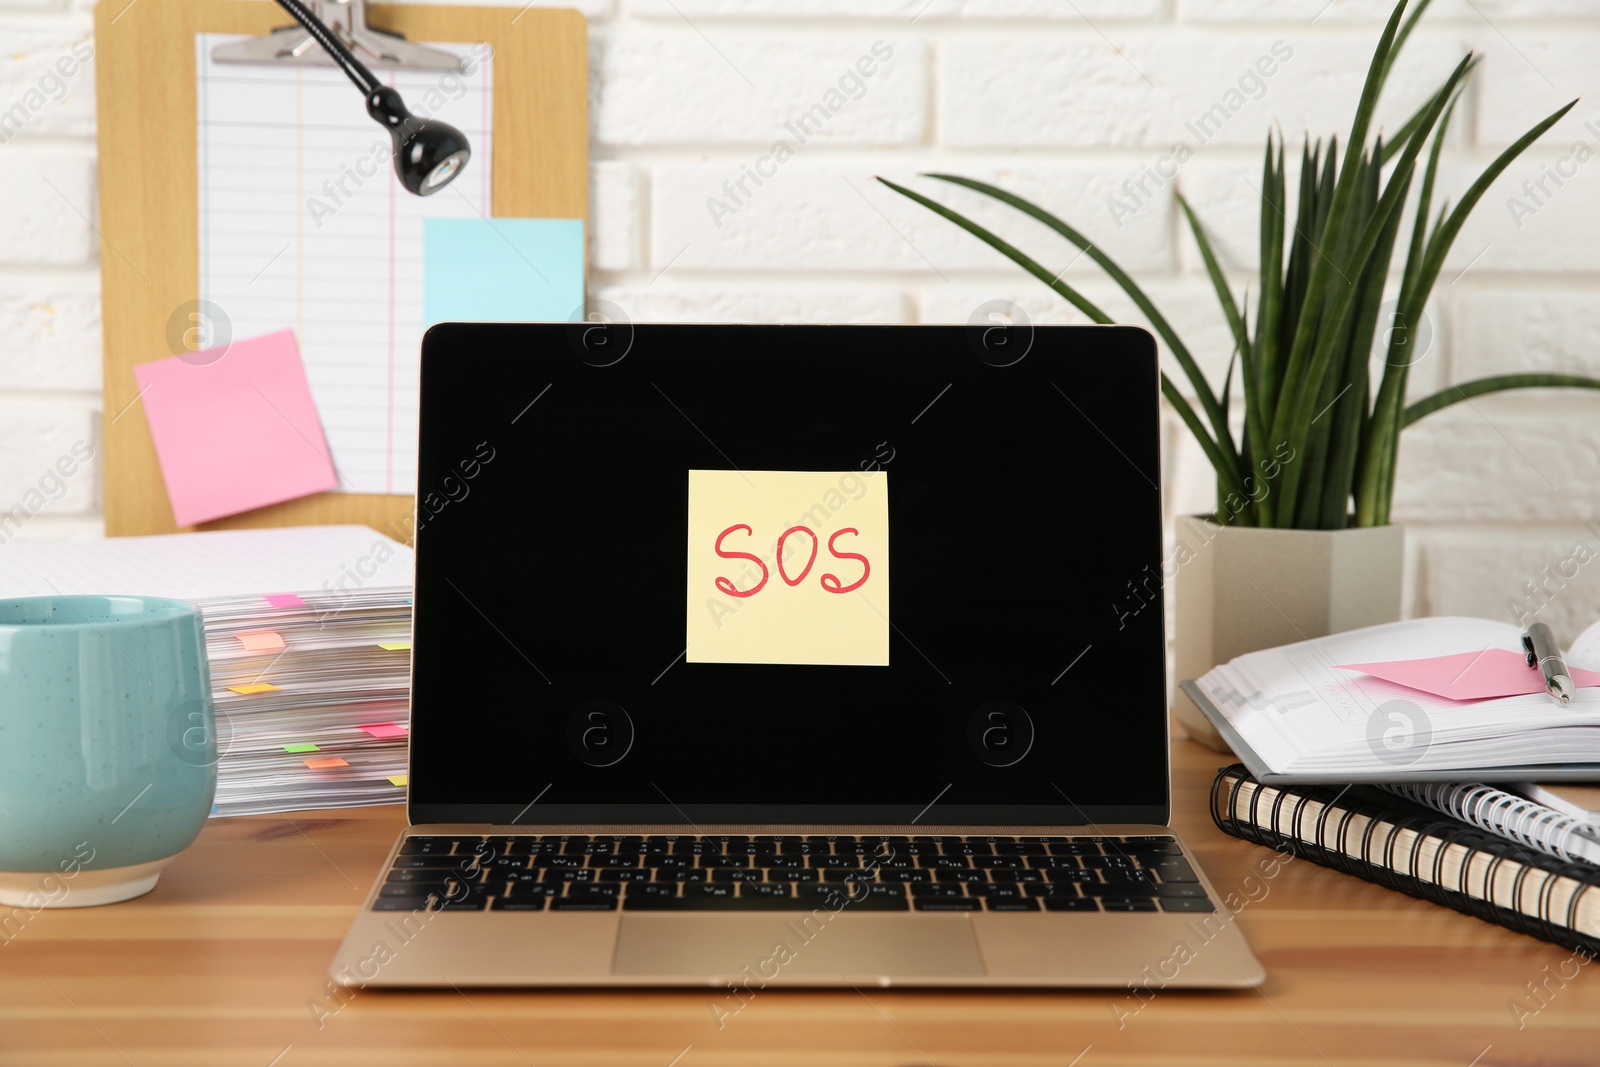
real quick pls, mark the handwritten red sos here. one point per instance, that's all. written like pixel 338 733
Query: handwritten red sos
pixel 832 583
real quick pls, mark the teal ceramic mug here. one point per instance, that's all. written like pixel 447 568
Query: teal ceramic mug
pixel 107 746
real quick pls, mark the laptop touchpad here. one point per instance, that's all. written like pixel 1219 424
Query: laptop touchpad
pixel 775 947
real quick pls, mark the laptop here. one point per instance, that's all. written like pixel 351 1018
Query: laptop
pixel 754 656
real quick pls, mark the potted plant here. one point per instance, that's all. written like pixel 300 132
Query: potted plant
pixel 1300 544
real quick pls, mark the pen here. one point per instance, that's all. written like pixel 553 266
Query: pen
pixel 1539 645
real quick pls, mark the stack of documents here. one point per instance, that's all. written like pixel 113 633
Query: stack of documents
pixel 1430 712
pixel 308 632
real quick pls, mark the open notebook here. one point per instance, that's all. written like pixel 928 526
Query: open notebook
pixel 1292 715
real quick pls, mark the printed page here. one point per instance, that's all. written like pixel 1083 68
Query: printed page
pixel 1585 649
pixel 304 225
pixel 191 566
pixel 1300 712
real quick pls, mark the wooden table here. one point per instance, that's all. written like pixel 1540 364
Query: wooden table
pixel 224 964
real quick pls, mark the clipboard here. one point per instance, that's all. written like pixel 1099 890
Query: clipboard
pixel 149 225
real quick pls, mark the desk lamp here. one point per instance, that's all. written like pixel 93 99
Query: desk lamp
pixel 427 153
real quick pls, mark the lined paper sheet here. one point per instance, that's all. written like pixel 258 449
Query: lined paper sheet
pixel 304 225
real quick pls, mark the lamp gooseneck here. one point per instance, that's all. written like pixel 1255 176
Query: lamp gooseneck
pixel 428 153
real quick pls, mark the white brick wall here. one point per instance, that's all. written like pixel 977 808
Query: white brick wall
pixel 694 217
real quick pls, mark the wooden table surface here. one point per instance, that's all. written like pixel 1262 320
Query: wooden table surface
pixel 225 962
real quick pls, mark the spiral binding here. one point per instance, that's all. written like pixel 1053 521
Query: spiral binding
pixel 1518 818
pixel 1376 858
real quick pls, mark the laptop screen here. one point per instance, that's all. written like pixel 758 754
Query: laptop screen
pixel 700 574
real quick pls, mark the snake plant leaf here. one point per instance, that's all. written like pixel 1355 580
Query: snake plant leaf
pixel 1294 415
pixel 1255 432
pixel 1011 252
pixel 1400 39
pixel 1405 133
pixel 1376 491
pixel 1269 308
pixel 1301 351
pixel 1221 457
pixel 1180 351
pixel 1498 383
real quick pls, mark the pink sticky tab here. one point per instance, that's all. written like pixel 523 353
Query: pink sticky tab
pixel 261 641
pixel 385 729
pixel 235 427
pixel 284 600
pixel 1495 672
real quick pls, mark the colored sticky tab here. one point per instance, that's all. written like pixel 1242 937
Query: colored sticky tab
pixel 384 729
pixel 1495 672
pixel 303 746
pixel 399 779
pixel 502 270
pixel 235 427
pixel 253 688
pixel 261 641
pixel 324 762
pixel 284 600
pixel 396 646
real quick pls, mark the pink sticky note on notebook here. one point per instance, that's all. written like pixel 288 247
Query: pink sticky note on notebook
pixel 1496 672
pixel 385 729
pixel 284 600
pixel 235 427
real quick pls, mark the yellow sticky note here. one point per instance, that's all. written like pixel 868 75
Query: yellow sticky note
pixel 399 779
pixel 261 641
pixel 254 688
pixel 823 599
pixel 396 646
pixel 324 762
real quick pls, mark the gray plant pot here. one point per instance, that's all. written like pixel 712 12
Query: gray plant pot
pixel 1240 589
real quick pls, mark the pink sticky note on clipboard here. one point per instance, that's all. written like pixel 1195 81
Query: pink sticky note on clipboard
pixel 1495 672
pixel 235 427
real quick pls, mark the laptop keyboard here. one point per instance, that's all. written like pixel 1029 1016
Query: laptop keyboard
pixel 672 872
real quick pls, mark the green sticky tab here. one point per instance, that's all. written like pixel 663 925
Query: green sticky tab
pixel 303 747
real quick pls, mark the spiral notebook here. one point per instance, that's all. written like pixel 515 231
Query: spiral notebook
pixel 1564 835
pixel 1403 846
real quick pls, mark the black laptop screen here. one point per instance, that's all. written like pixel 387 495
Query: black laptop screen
pixel 827 573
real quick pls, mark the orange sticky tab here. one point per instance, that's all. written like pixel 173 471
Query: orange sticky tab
pixel 399 779
pixel 324 762
pixel 261 641
pixel 254 688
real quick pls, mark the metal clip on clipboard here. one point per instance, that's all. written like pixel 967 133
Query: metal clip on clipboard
pixel 348 21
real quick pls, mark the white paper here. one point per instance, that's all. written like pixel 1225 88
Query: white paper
pixel 221 563
pixel 1585 648
pixel 303 224
pixel 1302 714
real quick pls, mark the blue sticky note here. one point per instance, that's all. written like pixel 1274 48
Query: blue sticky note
pixel 502 270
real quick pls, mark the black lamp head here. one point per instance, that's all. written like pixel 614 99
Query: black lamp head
pixel 427 153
